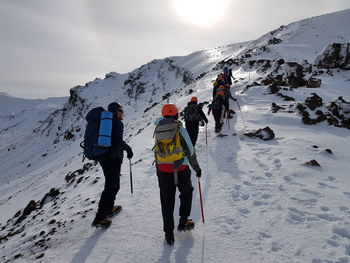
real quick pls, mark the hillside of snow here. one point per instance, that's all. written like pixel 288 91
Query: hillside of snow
pixel 285 199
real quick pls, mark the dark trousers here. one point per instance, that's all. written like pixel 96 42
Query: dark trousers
pixel 192 128
pixel 217 117
pixel 111 171
pixel 167 196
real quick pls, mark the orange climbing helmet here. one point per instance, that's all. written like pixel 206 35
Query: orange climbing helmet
pixel 169 110
pixel 194 99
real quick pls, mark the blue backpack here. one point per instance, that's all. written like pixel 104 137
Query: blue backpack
pixel 97 137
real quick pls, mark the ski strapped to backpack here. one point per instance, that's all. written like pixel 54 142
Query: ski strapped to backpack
pixel 97 137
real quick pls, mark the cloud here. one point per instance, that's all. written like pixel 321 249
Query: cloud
pixel 53 45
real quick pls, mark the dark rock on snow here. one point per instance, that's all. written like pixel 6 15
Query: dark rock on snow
pixel 314 101
pixel 313 83
pixel 265 134
pixel 313 163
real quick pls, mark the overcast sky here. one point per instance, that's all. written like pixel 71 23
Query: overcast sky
pixel 47 47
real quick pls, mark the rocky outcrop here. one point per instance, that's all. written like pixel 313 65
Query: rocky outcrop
pixel 341 110
pixel 335 55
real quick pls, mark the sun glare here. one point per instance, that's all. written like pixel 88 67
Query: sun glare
pixel 203 13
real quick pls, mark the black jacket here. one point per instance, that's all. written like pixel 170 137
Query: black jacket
pixel 218 102
pixel 118 144
pixel 200 111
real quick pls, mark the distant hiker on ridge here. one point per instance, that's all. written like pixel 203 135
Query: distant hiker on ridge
pixel 174 153
pixel 193 113
pixel 111 165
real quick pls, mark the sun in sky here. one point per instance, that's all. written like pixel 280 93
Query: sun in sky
pixel 203 13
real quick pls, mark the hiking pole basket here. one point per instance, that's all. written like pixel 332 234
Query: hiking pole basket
pixel 131 187
pixel 200 199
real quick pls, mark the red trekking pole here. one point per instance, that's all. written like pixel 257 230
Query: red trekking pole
pixel 201 200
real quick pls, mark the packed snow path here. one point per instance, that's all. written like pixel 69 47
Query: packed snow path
pixel 257 209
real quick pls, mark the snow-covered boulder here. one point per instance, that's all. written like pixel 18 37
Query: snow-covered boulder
pixel 335 55
pixel 265 134
pixel 293 74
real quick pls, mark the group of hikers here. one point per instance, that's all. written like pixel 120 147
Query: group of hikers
pixel 174 152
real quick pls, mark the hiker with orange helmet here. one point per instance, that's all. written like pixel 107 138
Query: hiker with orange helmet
pixel 193 114
pixel 218 107
pixel 218 83
pixel 174 153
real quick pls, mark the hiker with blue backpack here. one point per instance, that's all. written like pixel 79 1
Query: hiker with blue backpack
pixel 193 114
pixel 103 142
pixel 174 153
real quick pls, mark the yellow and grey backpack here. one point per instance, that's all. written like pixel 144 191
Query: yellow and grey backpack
pixel 168 146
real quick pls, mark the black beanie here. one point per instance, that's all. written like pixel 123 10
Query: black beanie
pixel 114 106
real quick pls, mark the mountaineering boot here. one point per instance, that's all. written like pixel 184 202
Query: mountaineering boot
pixel 185 224
pixel 115 210
pixel 169 238
pixel 230 113
pixel 104 223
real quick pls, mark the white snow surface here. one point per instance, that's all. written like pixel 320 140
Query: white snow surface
pixel 262 203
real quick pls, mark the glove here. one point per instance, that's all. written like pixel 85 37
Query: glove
pixel 234 99
pixel 198 171
pixel 130 154
pixel 206 121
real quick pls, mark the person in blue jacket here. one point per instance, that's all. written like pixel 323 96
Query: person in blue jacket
pixel 111 169
pixel 174 174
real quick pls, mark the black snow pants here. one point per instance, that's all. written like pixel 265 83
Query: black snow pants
pixel 218 119
pixel 192 128
pixel 111 171
pixel 167 196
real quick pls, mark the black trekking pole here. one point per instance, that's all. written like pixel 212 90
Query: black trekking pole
pixel 206 135
pixel 228 119
pixel 131 188
pixel 200 199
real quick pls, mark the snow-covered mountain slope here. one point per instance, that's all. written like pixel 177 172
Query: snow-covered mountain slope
pixel 300 40
pixel 264 201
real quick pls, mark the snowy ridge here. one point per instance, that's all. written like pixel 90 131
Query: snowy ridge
pixel 300 40
pixel 263 200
